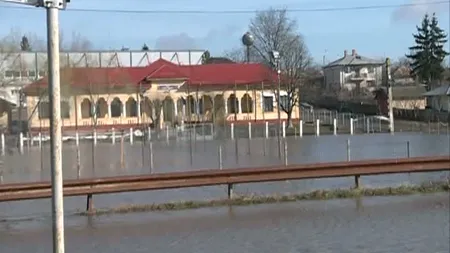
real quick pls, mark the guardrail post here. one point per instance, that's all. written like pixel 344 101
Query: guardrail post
pixel 407 150
pixel 89 204
pixel 357 182
pixel 230 191
pixel 335 126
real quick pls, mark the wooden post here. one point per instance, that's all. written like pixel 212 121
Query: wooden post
pixel 89 204
pixel 357 182
pixel 230 191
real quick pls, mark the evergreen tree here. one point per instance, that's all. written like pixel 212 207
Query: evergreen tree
pixel 145 47
pixel 428 54
pixel 205 57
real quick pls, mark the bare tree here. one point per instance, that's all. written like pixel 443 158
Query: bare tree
pixel 273 30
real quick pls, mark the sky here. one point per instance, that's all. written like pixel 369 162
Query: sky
pixel 376 33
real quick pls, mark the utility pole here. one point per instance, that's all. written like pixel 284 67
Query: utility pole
pixel 389 86
pixel 53 7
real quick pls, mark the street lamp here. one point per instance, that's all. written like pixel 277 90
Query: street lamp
pixel 53 7
pixel 276 58
pixel 248 40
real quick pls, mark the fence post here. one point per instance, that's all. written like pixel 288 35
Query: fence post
pixel 131 136
pixel 122 151
pixel 220 157
pixel 334 126
pixel 301 128
pixel 167 133
pixel 149 134
pixel 113 137
pixel 3 143
pixel 357 177
pixel 151 156
pixel 89 204
pixel 95 137
pixel 39 141
pixel 250 130
pixel 77 139
pixel 284 129
pixel 285 153
pixel 368 125
pixel 267 130
pixel 21 142
pixel 351 126
pixel 1 176
pixel 232 130
pixel 78 163
pixel 407 150
pixel 317 127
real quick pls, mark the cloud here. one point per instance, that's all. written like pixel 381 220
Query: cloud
pixel 183 40
pixel 415 12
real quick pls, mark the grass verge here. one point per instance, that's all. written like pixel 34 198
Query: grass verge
pixel 244 200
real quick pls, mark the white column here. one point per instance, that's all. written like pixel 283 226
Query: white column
pixel 175 107
pixel 225 101
pixel 109 110
pixel 138 108
pixel 240 106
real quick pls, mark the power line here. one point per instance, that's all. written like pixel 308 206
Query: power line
pixel 329 9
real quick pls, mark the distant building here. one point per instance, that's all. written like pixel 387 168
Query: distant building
pixel 403 97
pixel 439 98
pixel 352 72
pixel 159 93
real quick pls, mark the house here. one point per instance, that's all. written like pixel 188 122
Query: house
pixel 353 72
pixel 159 93
pixel 403 97
pixel 439 98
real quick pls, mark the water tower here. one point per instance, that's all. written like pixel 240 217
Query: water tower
pixel 248 40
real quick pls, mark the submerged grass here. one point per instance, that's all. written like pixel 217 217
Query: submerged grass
pixel 244 200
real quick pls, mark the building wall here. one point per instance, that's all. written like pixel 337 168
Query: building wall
pixel 410 104
pixel 440 103
pixel 341 76
pixel 216 108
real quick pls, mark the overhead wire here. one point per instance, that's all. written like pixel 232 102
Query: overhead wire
pixel 165 11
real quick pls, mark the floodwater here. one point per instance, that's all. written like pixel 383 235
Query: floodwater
pixel 379 224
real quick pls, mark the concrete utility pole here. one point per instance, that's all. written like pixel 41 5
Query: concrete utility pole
pixel 390 99
pixel 53 7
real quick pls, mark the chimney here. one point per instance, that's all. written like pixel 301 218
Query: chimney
pixel 345 53
pixel 353 52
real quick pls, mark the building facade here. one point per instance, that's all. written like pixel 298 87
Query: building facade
pixel 161 93
pixel 353 72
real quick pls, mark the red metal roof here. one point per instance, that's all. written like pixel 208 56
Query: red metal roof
pixel 208 74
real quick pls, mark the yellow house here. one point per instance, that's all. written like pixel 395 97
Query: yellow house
pixel 160 93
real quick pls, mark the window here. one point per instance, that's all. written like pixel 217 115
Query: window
pixel 44 110
pixel 8 74
pixel 32 73
pixel 370 69
pixel 284 101
pixel 16 74
pixel 268 103
pixel 65 110
pixel 41 73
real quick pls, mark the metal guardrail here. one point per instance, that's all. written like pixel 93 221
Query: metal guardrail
pixel 89 187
